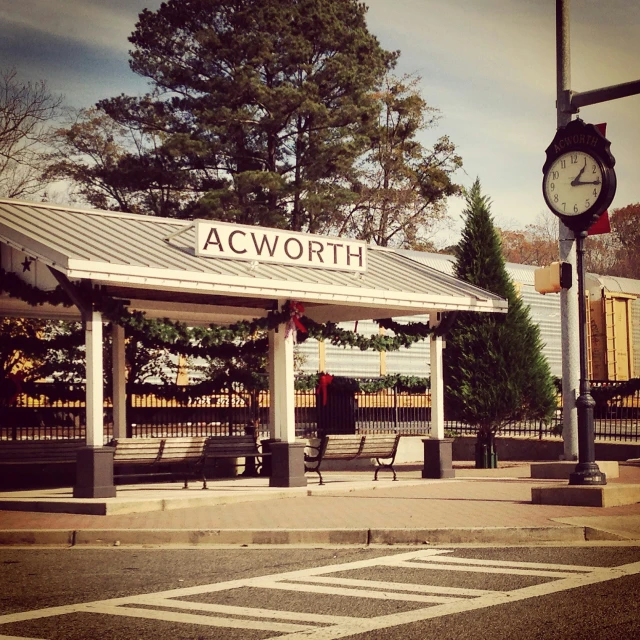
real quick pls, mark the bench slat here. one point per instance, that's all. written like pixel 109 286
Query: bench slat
pixel 231 447
pixel 187 449
pixel 380 446
pixel 139 450
pixel 19 452
pixel 341 447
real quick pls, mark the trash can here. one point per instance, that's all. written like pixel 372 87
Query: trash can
pixel 336 405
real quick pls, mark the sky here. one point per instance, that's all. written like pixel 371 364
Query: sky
pixel 488 66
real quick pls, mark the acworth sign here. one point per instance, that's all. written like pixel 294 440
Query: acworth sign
pixel 259 244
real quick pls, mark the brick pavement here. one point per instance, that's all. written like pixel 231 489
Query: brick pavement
pixel 465 502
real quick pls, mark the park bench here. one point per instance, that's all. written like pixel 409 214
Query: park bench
pixel 37 463
pixel 381 447
pixel 230 447
pixel 153 456
pixel 22 452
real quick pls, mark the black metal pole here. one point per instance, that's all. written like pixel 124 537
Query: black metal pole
pixel 587 471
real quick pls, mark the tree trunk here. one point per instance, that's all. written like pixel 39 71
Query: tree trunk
pixel 486 454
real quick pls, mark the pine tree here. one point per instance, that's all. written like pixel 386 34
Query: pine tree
pixel 258 109
pixel 494 371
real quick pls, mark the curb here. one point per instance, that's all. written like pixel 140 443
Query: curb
pixel 282 537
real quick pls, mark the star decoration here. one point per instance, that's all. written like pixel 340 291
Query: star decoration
pixel 26 265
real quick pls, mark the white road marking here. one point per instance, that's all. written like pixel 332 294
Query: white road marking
pixel 394 586
pixel 506 563
pixel 384 622
pixel 190 618
pixel 240 611
pixel 443 600
pixel 359 593
pixel 432 566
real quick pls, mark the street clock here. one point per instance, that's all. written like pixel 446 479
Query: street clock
pixel 579 180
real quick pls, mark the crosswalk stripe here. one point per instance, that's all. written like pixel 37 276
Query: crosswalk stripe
pixel 506 563
pixel 190 618
pixel 394 586
pixel 241 611
pixel 359 593
pixel 474 569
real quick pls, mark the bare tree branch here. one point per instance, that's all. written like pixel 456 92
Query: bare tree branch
pixel 27 112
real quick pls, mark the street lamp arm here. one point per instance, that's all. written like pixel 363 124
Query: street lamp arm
pixel 615 91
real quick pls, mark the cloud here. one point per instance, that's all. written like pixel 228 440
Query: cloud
pixel 490 68
pixel 106 24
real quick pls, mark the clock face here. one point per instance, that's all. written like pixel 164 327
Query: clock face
pixel 573 183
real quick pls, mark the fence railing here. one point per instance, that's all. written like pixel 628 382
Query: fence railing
pixel 33 417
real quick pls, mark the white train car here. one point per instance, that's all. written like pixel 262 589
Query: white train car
pixel 613 341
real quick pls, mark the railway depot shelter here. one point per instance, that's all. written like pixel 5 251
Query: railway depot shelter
pixel 205 272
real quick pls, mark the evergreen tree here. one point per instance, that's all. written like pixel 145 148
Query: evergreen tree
pixel 494 371
pixel 258 108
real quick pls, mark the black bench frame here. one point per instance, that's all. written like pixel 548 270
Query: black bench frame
pixel 381 447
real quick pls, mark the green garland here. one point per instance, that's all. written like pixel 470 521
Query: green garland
pixel 413 384
pixel 238 340
pixel 16 288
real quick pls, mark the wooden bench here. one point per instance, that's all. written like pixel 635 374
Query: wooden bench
pixel 350 447
pixel 21 452
pixel 159 455
pixel 221 447
pixel 38 463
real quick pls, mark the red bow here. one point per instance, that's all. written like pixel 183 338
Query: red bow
pixel 296 311
pixel 324 381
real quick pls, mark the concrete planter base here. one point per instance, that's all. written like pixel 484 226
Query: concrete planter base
pixel 94 473
pixel 438 458
pixel 287 464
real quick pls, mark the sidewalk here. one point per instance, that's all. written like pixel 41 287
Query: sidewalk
pixel 478 506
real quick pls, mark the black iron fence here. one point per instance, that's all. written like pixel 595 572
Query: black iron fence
pixel 37 416
pixel 617 410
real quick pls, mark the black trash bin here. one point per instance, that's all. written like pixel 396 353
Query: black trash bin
pixel 336 405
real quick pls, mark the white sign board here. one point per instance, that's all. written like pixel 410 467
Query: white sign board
pixel 260 244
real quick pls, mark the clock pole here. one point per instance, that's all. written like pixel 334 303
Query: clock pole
pixel 567 249
pixel 587 471
pixel 568 103
pixel 579 156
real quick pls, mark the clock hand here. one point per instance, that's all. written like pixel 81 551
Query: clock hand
pixel 577 183
pixel 576 180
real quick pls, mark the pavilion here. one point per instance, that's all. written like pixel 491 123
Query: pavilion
pixel 203 272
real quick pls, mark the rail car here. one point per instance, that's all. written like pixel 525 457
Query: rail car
pixel 613 336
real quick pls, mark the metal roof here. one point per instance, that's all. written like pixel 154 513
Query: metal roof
pixel 147 257
pixel 615 284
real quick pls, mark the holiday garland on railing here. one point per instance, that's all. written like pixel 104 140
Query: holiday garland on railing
pixel 216 341
pixel 192 394
pixel 415 384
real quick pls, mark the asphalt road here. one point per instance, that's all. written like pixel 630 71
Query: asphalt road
pixel 424 593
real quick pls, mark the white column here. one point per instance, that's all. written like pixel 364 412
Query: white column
pixel 437 384
pixel 281 386
pixel 119 379
pixel 94 390
pixel 272 385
